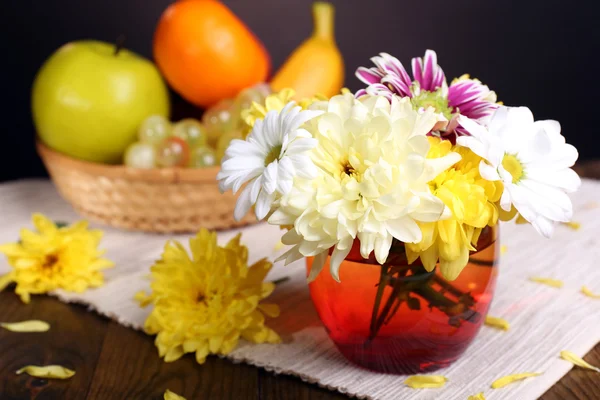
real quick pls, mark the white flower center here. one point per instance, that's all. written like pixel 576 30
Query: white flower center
pixel 512 164
pixel 273 155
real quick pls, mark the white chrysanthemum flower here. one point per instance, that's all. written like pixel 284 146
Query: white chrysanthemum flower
pixel 533 162
pixel 276 151
pixel 372 181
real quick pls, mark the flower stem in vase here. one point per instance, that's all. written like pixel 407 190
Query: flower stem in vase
pixel 409 284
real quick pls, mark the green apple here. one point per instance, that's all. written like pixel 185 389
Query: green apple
pixel 89 99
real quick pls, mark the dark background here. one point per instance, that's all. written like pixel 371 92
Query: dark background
pixel 539 53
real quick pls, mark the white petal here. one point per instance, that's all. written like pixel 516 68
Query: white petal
pixel 419 144
pixel 367 243
pixel 337 257
pixel 430 209
pixel 317 265
pixel 301 145
pixel 301 118
pixel 543 226
pixel 263 204
pixel 488 172
pixel 269 177
pixel 566 179
pixel 475 129
pixel 435 166
pixel 279 217
pixel 498 120
pixel 506 200
pixel 285 175
pixel 404 229
pixel 382 248
pixel 243 204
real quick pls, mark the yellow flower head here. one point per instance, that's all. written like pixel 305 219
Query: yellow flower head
pixel 54 258
pixel 471 200
pixel 277 101
pixel 204 303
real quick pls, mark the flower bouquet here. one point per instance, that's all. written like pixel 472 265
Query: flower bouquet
pixel 393 195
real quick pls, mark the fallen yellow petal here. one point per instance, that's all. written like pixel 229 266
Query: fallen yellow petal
pixel 585 290
pixel 503 249
pixel 142 298
pixel 26 326
pixel 48 371
pixel 573 225
pixel 547 281
pixel 575 359
pixel 496 322
pixel 478 396
pixel 507 380
pixel 172 396
pixel 426 381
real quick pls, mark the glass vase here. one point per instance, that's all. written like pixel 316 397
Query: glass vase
pixel 399 318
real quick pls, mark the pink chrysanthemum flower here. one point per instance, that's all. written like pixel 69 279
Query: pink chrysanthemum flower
pixel 428 88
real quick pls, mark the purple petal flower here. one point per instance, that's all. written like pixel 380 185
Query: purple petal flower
pixel 471 98
pixel 369 75
pixel 388 70
pixel 427 72
pixel 465 96
pixel 397 85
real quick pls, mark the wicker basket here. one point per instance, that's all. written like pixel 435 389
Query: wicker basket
pixel 158 200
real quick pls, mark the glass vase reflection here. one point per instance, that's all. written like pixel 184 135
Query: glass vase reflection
pixel 399 318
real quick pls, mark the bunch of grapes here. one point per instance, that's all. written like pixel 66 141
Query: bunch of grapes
pixel 189 142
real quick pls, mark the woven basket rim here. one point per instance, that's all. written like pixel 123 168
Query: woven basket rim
pixel 162 175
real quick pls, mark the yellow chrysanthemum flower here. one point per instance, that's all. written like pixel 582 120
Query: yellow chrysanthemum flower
pixel 277 101
pixel 274 101
pixel 54 258
pixel 471 200
pixel 205 303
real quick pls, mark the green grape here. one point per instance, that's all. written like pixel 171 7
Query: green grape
pixel 202 157
pixel 257 93
pixel 172 152
pixel 222 117
pixel 224 141
pixel 191 131
pixel 154 130
pixel 140 155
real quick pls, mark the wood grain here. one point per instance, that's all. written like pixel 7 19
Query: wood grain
pixel 277 387
pixel 74 341
pixel 129 368
pixel 579 383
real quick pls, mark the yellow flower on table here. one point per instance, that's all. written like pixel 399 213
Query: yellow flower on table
pixel 472 203
pixel 53 257
pixel 205 303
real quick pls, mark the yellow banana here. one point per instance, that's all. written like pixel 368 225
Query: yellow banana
pixel 316 66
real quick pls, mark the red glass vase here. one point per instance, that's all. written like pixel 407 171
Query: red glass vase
pixel 398 318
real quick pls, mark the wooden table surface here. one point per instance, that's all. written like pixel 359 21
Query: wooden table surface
pixel 116 363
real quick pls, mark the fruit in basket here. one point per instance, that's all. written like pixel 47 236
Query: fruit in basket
pixel 202 157
pixel 154 129
pixel 90 97
pixel 222 117
pixel 316 66
pixel 172 152
pixel 206 53
pixel 191 131
pixel 140 155
pixel 254 94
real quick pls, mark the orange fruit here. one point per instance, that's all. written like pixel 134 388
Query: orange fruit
pixel 206 53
